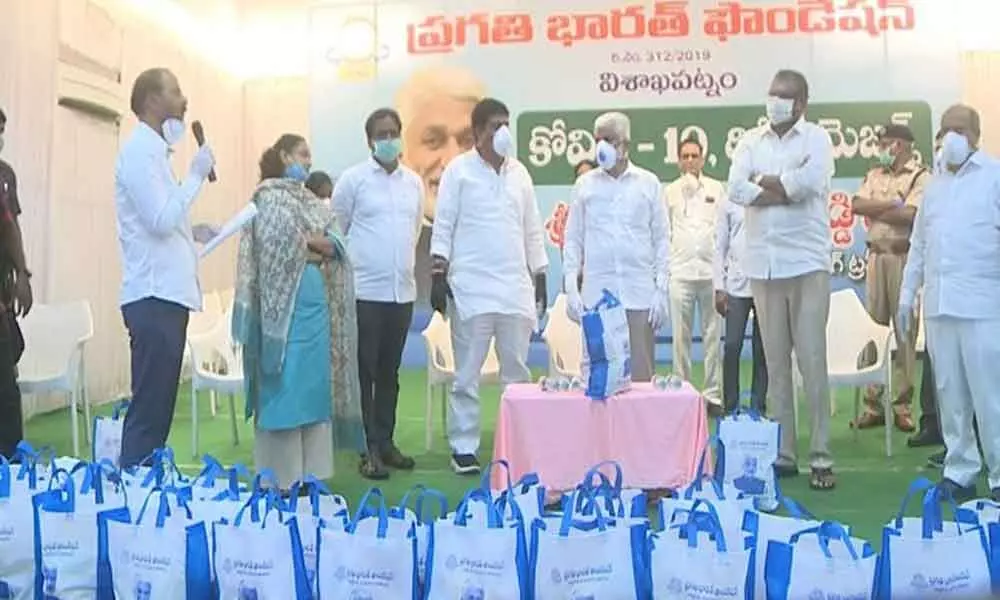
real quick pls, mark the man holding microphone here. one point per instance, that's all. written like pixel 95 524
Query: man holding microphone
pixel 159 260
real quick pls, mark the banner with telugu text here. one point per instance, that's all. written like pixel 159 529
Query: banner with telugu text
pixel 700 67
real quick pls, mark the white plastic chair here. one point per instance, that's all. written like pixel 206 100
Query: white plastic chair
pixel 441 370
pixel 564 341
pixel 849 328
pixel 200 323
pixel 53 360
pixel 218 368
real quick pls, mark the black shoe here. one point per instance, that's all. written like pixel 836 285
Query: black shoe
pixel 936 460
pixel 465 464
pixel 925 438
pixel 371 467
pixel 394 459
pixel 957 492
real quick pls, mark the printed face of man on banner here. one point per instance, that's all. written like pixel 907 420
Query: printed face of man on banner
pixel 436 108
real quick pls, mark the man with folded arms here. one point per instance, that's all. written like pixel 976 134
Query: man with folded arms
pixel 781 173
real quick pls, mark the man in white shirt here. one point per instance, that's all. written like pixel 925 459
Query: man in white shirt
pixel 159 261
pixel 781 173
pixel 734 301
pixel 619 235
pixel 953 255
pixel 489 258
pixel 378 204
pixel 691 210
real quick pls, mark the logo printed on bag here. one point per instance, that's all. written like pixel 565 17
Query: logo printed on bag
pixel 676 586
pixel 6 533
pixel 587 574
pixel 556 576
pixel 958 581
pixel 479 567
pixel 451 562
pixel 60 548
pixel 157 563
pixel 819 594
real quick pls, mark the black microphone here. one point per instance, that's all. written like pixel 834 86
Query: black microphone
pixel 199 136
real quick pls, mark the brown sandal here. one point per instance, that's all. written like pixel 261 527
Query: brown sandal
pixel 822 480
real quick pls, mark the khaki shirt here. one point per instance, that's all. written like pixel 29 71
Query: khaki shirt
pixel 692 205
pixel 883 184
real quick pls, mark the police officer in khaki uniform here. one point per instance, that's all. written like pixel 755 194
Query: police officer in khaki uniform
pixel 890 196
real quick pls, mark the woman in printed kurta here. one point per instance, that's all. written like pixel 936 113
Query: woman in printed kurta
pixel 294 316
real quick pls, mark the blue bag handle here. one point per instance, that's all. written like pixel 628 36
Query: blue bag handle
pixel 494 519
pixel 703 521
pixel 616 487
pixel 158 475
pixel 792 506
pixel 30 459
pixel 314 488
pixel 5 478
pixel 93 474
pixel 421 492
pixel 381 513
pixel 163 508
pixel 212 470
pixel 931 514
pixel 825 532
pixel 585 498
pixel 272 501
pixel 484 481
pixel 62 499
pixel 120 407
pixel 233 488
pixel 601 521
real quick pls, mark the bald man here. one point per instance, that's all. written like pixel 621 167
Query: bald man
pixel 435 105
pixel 953 255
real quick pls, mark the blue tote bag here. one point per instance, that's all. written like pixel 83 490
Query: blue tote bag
pixel 820 562
pixel 928 556
pixel 162 554
pixel 476 560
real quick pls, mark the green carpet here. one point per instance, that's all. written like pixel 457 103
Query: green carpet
pixel 869 491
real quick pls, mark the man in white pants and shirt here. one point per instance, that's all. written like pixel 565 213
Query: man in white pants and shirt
pixel 618 234
pixel 692 202
pixel 488 255
pixel 955 256
pixel 781 173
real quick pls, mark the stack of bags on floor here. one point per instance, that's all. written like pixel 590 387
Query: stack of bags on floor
pixel 84 530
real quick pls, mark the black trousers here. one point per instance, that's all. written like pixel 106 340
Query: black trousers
pixel 382 328
pixel 736 323
pixel 11 423
pixel 157 332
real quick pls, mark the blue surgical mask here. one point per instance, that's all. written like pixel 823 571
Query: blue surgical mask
pixel 387 151
pixel 296 172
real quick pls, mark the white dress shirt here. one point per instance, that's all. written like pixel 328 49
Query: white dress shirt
pixel 955 246
pixel 730 246
pixel 793 239
pixel 619 231
pixel 159 259
pixel 380 213
pixel 487 226
pixel 691 210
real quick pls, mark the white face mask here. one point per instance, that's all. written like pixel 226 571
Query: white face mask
pixel 955 149
pixel 779 110
pixel 173 131
pixel 503 141
pixel 607 155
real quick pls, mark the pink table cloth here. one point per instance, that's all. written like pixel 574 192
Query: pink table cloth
pixel 657 436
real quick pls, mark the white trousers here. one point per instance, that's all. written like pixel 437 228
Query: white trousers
pixel 684 296
pixel 471 341
pixel 965 354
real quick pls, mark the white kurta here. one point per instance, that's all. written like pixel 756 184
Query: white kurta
pixel 955 256
pixel 618 231
pixel 488 227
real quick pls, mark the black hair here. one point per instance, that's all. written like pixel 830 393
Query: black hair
pixel 584 163
pixel 486 109
pixel 3 117
pixel 148 83
pixel 381 114
pixel 692 139
pixel 316 180
pixel 798 79
pixel 270 163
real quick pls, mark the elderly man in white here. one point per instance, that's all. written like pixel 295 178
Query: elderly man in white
pixel 619 235
pixel 487 245
pixel 955 256
pixel 692 200
pixel 781 173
